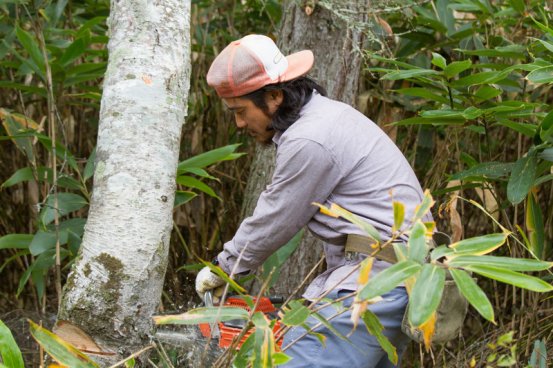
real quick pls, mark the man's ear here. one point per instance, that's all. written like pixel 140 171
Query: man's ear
pixel 275 97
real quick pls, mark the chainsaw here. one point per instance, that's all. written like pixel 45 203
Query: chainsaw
pixel 227 331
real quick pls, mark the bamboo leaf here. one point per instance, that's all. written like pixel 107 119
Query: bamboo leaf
pixel 411 73
pixel 541 75
pixel 456 68
pixel 388 279
pixel 512 278
pixel 417 248
pixel 375 328
pixel 219 272
pixel 513 264
pixel 473 293
pixel 479 245
pixel 203 315
pixel 522 178
pixel 337 211
pixel 296 315
pixel 439 60
pixel 422 209
pixel 182 197
pixel 399 215
pixel 211 157
pixel 492 170
pixel 31 46
pixel 16 241
pixel 487 77
pixel 67 203
pixel 534 224
pixel 9 351
pixel 426 294
pixel 191 182
pixel 90 165
pixel 62 352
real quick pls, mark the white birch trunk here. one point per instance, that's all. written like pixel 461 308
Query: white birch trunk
pixel 116 282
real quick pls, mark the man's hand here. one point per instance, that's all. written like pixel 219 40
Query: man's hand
pixel 207 280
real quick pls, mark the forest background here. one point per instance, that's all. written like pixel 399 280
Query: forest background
pixel 466 84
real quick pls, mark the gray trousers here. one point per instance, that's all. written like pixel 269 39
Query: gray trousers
pixel 363 350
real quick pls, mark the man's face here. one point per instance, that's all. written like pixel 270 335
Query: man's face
pixel 253 119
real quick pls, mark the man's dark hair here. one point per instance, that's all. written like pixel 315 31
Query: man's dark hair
pixel 296 93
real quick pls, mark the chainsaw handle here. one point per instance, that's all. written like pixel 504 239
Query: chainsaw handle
pixel 208 298
pixel 208 301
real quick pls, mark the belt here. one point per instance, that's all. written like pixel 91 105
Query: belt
pixel 363 244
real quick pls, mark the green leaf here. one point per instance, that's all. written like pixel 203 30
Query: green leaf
pixel 439 60
pixel 74 51
pixel 61 151
pixel 200 172
pixel 417 249
pixel 16 241
pixel 486 93
pixel 219 272
pixel 510 51
pixel 182 197
pixel 480 78
pixel 24 174
pixel 422 209
pixel 539 355
pixel 518 5
pixel 62 352
pixel 90 166
pixel 546 127
pixel 31 46
pixel 512 278
pixel 389 279
pixel 276 260
pixel 375 328
pixel 42 241
pixel 431 121
pixel 426 294
pixel 424 93
pixel 191 182
pixel 296 315
pixel 456 68
pixel 479 245
pixel 406 74
pixel 203 315
pixel 473 293
pixel 534 224
pixel 541 75
pixel 211 157
pixel 522 178
pixel 547 154
pixel 528 130
pixel 492 170
pixel 547 45
pixel 67 203
pixel 399 215
pixel 509 263
pixel 11 355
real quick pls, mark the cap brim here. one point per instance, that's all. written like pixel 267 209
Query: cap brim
pixel 299 63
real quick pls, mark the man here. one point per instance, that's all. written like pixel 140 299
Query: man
pixel 327 152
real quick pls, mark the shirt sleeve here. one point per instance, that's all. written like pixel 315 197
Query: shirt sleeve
pixel 305 172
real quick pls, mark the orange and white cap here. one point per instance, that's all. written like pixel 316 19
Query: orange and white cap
pixel 253 62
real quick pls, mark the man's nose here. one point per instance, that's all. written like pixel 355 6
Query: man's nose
pixel 240 123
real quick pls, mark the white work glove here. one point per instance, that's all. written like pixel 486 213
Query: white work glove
pixel 207 280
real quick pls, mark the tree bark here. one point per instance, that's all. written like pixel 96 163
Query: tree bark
pixel 336 46
pixel 116 281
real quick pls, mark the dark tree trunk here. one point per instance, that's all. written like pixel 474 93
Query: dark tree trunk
pixel 338 59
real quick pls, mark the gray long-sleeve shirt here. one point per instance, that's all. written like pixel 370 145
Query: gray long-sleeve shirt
pixel 331 154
